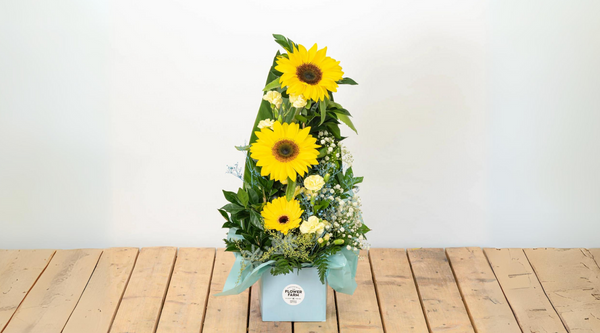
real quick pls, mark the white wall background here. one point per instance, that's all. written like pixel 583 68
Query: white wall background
pixel 479 121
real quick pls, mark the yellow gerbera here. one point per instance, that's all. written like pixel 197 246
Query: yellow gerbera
pixel 282 215
pixel 310 73
pixel 284 151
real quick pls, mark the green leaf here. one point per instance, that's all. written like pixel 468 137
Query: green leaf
pixel 342 111
pixel 264 112
pixel 321 204
pixel 224 214
pixel 363 229
pixel 243 148
pixel 231 197
pixel 357 180
pixel 347 80
pixel 272 85
pixel 349 174
pixel 243 196
pixel 232 208
pixel 291 188
pixel 334 129
pixel 254 198
pixel 322 261
pixel 333 105
pixel 346 120
pixel 322 152
pixel 301 118
pixel 286 43
pixel 323 108
pixel 255 219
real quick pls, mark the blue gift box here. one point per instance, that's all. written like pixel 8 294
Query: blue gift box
pixel 297 296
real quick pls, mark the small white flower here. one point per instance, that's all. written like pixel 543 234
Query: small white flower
pixel 349 247
pixel 342 229
pixel 322 142
pixel 273 97
pixel 266 123
pixel 298 101
pixel 320 240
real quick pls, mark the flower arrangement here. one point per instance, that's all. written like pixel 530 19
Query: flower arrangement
pixel 298 206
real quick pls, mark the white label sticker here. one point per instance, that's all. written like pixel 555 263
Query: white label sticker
pixel 293 294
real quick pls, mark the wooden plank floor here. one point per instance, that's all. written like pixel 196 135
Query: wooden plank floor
pixel 165 289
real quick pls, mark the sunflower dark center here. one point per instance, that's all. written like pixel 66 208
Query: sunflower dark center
pixel 285 150
pixel 309 73
pixel 284 219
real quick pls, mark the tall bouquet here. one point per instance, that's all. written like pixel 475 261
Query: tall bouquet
pixel 298 206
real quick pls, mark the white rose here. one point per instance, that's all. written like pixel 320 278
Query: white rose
pixel 312 225
pixel 273 97
pixel 266 123
pixel 314 182
pixel 298 101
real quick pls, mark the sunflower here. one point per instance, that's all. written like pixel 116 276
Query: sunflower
pixel 310 73
pixel 282 215
pixel 284 151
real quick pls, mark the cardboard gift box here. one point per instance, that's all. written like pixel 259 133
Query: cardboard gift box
pixel 297 296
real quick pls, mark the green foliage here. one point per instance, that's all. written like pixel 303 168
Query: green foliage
pixel 243 148
pixel 286 43
pixel 264 112
pixel 363 229
pixel 347 180
pixel 323 108
pixel 243 197
pixel 272 85
pixel 346 120
pixel 347 80
pixel 321 261
pixel 284 265
pixel 290 189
